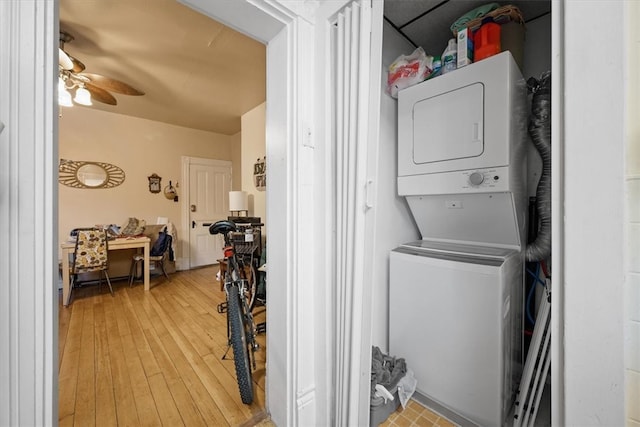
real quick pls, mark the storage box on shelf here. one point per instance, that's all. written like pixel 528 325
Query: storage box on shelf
pixel 512 30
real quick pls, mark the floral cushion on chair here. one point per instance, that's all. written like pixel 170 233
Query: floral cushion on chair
pixel 91 251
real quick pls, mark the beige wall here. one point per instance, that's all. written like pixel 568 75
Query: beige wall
pixel 140 147
pixel 253 148
pixel 236 159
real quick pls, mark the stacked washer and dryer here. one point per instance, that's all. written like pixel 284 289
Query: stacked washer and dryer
pixel 456 296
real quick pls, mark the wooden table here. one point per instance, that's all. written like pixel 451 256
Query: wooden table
pixel 121 243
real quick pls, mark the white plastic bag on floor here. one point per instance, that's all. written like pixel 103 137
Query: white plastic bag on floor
pixel 406 387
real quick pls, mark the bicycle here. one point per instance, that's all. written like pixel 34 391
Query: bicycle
pixel 241 329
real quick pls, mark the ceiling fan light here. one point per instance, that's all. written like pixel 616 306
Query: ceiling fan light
pixel 83 96
pixel 64 60
pixel 64 97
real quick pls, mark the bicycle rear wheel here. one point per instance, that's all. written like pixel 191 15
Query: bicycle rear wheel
pixel 239 344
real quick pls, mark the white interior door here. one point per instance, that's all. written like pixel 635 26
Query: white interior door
pixel 352 31
pixel 209 186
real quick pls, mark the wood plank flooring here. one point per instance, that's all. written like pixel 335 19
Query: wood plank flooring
pixel 153 358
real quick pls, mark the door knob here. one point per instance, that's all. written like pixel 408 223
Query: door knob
pixel 193 208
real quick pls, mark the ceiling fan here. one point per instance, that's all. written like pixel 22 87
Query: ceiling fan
pixel 88 86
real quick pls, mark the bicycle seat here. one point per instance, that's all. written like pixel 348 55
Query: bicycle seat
pixel 222 227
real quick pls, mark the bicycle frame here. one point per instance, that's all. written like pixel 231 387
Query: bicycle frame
pixel 233 278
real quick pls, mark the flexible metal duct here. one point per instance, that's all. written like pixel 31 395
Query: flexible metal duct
pixel 540 131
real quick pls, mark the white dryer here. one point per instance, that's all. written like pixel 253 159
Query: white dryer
pixel 456 295
pixel 462 142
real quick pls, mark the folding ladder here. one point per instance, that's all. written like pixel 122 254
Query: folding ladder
pixel 536 366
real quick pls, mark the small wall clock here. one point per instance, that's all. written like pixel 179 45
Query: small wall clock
pixel 154 183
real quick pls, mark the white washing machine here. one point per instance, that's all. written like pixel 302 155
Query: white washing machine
pixel 456 295
pixel 454 316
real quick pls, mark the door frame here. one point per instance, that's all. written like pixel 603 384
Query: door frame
pixel 184 262
pixel 292 392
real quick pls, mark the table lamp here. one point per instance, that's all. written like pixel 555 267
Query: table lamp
pixel 238 202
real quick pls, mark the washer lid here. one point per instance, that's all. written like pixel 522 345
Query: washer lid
pixel 430 246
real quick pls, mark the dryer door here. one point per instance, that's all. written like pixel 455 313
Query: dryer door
pixel 470 119
pixel 449 126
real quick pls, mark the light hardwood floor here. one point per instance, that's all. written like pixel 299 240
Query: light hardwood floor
pixel 153 358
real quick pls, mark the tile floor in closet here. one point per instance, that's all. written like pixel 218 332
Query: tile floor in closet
pixel 416 415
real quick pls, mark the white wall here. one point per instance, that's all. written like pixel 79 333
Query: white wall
pixel 394 223
pixel 632 290
pixel 590 290
pixel 253 147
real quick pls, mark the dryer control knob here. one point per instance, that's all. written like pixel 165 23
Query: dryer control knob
pixel 476 178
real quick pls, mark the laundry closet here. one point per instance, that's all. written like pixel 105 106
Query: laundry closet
pixel 442 208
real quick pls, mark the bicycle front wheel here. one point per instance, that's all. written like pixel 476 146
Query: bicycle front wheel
pixel 240 345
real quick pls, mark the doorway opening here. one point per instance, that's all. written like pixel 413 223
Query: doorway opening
pixel 274 182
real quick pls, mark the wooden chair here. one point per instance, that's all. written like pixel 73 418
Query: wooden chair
pixel 159 254
pixel 91 254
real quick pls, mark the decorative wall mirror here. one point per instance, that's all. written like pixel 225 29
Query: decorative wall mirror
pixel 80 174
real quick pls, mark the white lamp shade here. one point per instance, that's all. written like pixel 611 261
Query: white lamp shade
pixel 64 60
pixel 83 96
pixel 64 97
pixel 238 201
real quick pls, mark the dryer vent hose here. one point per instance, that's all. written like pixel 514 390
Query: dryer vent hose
pixel 540 131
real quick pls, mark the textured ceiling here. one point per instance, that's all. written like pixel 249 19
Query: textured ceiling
pixel 197 73
pixel 194 71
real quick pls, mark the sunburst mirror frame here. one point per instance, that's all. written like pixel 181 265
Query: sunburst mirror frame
pixel 70 174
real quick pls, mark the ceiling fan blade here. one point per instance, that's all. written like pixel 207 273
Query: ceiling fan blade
pixel 63 59
pixel 78 66
pixel 112 85
pixel 100 95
